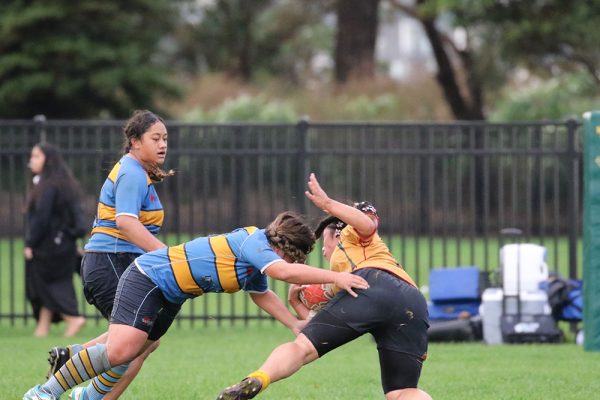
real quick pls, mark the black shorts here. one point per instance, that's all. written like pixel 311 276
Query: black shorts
pixel 100 273
pixel 141 304
pixel 393 311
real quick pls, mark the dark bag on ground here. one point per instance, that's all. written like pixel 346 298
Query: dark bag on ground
pixel 458 330
pixel 565 297
pixel 529 329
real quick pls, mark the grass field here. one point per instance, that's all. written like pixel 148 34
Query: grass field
pixel 197 359
pixel 197 363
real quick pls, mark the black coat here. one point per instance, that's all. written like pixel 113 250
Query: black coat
pixel 53 249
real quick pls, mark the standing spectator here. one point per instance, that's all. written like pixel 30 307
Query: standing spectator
pixel 50 250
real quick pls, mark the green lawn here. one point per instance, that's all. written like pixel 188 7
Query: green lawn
pixel 196 363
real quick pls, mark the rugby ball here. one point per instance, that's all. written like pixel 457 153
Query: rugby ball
pixel 315 296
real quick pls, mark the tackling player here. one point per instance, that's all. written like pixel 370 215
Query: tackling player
pixel 158 283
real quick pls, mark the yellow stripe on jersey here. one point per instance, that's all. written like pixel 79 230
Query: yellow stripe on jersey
pixel 109 231
pixel 114 172
pixel 250 229
pixel 154 217
pixel 225 263
pixel 106 212
pixel 182 271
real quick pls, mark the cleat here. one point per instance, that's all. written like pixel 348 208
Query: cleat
pixel 36 393
pixel 58 356
pixel 76 393
pixel 246 389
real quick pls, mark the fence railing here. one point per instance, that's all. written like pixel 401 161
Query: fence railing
pixel 443 191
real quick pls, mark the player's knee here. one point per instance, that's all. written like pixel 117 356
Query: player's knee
pixel 306 349
pixel 118 355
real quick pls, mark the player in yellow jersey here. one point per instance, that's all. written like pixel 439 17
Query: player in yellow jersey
pixel 392 309
pixel 155 286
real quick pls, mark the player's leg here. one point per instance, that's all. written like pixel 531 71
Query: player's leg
pixel 402 339
pixel 285 360
pixel 400 374
pixel 130 373
pixel 100 273
pixel 58 356
pixel 323 333
pixel 113 383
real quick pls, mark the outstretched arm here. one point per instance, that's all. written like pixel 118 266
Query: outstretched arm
pixel 301 274
pixel 364 224
pixel 273 305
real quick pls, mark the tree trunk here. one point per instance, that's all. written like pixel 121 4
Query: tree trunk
pixel 357 23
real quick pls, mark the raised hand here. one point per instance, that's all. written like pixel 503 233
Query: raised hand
pixel 316 194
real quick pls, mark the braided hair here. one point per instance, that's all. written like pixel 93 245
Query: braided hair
pixel 135 127
pixel 291 235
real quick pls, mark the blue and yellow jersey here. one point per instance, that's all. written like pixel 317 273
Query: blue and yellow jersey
pixel 222 263
pixel 128 190
pixel 355 252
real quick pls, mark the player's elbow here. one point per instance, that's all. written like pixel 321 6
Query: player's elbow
pixel 124 223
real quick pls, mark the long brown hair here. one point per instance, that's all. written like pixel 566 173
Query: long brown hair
pixel 135 127
pixel 291 235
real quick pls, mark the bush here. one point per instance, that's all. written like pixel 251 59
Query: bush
pixel 559 98
pixel 246 108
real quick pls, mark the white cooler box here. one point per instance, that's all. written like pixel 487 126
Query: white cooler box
pixel 532 303
pixel 530 260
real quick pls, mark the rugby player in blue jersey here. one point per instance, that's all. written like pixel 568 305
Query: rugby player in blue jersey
pixel 128 217
pixel 157 283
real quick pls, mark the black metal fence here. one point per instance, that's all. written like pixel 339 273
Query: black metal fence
pixel 443 190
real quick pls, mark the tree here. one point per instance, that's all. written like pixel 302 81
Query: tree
pixel 546 38
pixel 82 59
pixel 550 36
pixel 357 23
pixel 250 38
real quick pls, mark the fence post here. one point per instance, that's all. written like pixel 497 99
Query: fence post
pixel 573 229
pixel 591 231
pixel 301 162
pixel 40 127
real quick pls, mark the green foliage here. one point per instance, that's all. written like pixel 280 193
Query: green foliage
pixel 367 109
pixel 246 108
pixel 253 38
pixel 547 37
pixel 562 97
pixel 81 59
